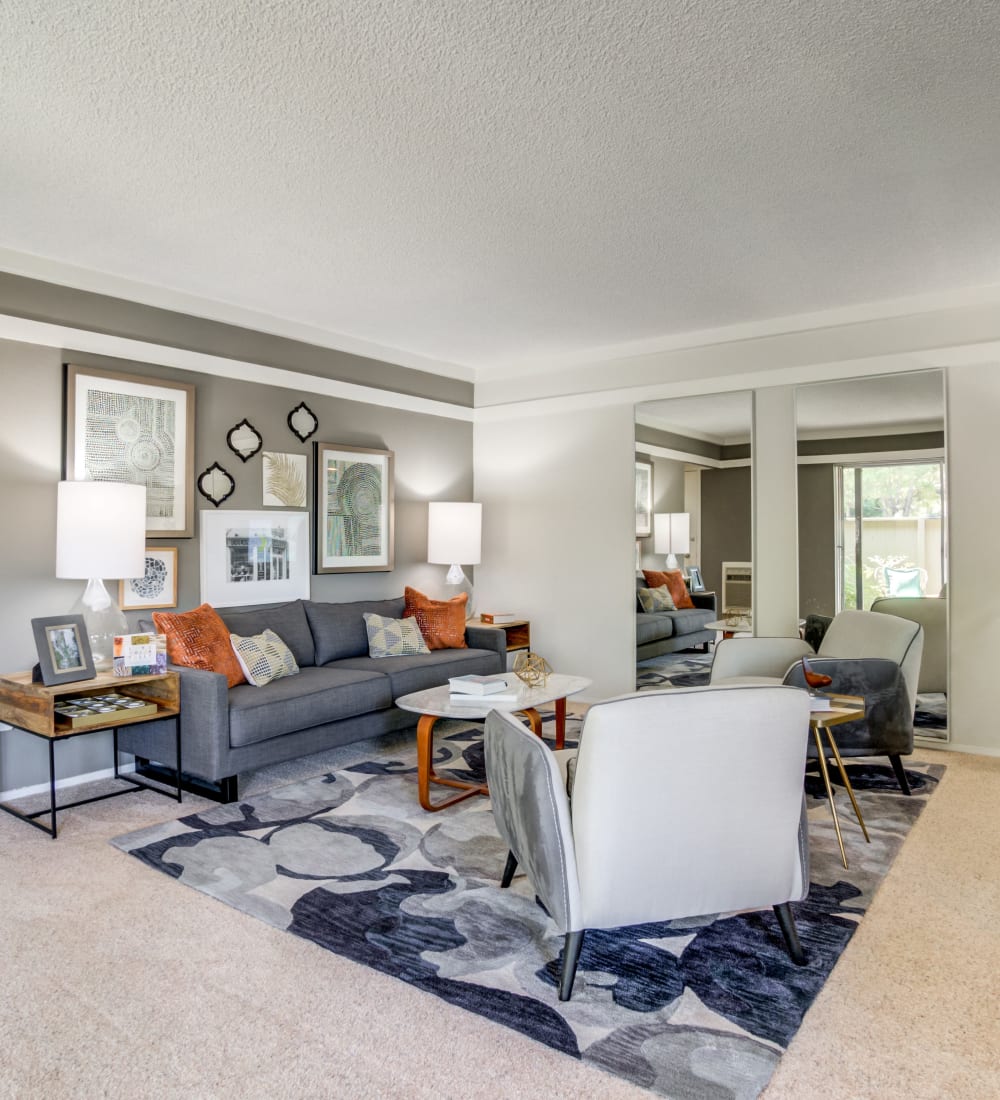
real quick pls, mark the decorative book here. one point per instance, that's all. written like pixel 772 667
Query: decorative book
pixel 140 654
pixel 464 699
pixel 498 617
pixel 98 710
pixel 477 685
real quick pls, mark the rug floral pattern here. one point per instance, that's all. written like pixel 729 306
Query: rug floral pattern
pixel 695 1008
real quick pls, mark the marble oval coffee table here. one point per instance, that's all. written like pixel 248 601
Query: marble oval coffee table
pixel 435 703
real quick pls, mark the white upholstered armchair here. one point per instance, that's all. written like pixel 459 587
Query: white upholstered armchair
pixel 685 803
pixel 854 651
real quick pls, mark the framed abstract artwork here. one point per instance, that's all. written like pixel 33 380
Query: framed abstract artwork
pixel 123 427
pixel 643 498
pixel 157 587
pixel 284 480
pixel 354 509
pixel 254 557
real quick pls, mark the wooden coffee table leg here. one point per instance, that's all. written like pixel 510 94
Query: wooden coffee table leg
pixel 426 774
pixel 561 723
pixel 534 720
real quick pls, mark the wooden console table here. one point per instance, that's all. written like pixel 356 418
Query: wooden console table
pixel 517 632
pixel 32 708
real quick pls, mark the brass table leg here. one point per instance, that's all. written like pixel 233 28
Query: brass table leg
pixel 847 783
pixel 829 792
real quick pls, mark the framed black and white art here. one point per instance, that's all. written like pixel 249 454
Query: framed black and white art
pixel 123 427
pixel 254 557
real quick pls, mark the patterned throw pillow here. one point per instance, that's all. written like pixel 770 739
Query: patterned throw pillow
pixel 674 580
pixel 442 622
pixel 263 657
pixel 656 599
pixel 393 637
pixel 199 639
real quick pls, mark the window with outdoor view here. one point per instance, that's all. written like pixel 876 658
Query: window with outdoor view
pixel 892 532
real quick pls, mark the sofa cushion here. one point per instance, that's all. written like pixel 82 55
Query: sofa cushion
pixel 442 622
pixel 287 620
pixel 338 629
pixel 428 670
pixel 317 696
pixel 199 639
pixel 674 580
pixel 393 637
pixel 263 657
pixel 688 622
pixel 656 599
pixel 653 627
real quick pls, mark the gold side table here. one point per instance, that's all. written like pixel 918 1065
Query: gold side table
pixel 845 708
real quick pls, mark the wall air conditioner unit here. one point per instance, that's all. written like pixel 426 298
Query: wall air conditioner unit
pixel 737 584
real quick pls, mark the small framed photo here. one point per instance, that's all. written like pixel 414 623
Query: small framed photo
pixel 695 583
pixel 157 587
pixel 354 509
pixel 63 649
pixel 643 498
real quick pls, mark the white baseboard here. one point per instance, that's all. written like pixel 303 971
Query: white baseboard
pixel 63 784
pixel 972 750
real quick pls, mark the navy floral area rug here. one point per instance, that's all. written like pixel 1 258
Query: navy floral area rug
pixel 699 1007
pixel 693 670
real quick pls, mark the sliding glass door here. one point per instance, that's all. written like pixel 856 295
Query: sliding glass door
pixel 891 532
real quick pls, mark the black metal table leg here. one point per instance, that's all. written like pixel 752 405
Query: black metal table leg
pixel 52 787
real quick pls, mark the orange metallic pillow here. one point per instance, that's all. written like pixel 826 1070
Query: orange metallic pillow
pixel 674 580
pixel 200 639
pixel 442 622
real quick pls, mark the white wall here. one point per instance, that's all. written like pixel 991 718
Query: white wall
pixel 973 414
pixel 558 537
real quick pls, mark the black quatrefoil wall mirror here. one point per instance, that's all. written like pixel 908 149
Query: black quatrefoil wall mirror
pixel 302 420
pixel 244 440
pixel 216 484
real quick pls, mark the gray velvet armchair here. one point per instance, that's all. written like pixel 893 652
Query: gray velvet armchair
pixel 685 802
pixel 875 656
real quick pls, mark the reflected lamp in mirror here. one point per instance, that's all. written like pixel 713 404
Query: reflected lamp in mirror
pixel 100 532
pixel 672 535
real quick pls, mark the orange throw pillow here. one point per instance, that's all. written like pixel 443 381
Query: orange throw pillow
pixel 442 622
pixel 674 580
pixel 200 639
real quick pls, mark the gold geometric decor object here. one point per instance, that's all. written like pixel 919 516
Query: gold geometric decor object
pixel 532 668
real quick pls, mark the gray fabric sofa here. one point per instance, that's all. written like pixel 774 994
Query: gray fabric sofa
pixel 660 632
pixel 339 695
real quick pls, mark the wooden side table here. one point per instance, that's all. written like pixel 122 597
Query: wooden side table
pixel 518 632
pixel 32 708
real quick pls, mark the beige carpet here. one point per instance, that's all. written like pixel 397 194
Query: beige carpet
pixel 118 982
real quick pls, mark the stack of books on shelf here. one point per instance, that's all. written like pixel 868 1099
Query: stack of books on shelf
pixel 496 618
pixel 477 690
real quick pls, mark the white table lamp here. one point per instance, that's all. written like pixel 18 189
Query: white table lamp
pixel 672 535
pixel 454 537
pixel 100 532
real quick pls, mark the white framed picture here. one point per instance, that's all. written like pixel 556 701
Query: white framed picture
pixel 157 587
pixel 284 478
pixel 254 557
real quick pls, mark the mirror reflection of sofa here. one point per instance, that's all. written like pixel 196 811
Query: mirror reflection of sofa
pixel 659 632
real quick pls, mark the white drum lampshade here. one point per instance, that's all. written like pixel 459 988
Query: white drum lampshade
pixel 454 536
pixel 100 532
pixel 672 535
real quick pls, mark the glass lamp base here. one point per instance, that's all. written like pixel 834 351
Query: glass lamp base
pixel 103 619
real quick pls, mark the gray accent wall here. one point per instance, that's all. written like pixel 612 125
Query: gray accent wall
pixel 433 461
pixel 668 496
pixel 725 522
pixel 817 538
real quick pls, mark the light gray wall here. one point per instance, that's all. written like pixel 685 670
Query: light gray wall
pixel 668 496
pixel 817 541
pixel 433 460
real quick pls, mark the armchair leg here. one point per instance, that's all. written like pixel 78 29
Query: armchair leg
pixel 508 872
pixel 897 767
pixel 571 956
pixel 787 921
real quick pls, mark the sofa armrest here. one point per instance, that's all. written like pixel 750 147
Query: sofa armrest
pixel 487 637
pixel 706 601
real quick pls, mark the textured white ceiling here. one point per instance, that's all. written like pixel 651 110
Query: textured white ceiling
pixel 496 183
